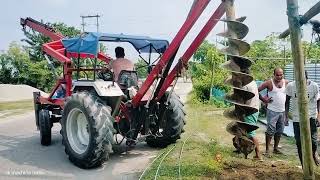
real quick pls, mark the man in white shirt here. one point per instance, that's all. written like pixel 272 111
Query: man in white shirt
pixel 313 112
pixel 275 102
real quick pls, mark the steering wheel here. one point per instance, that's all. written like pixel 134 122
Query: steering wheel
pixel 105 73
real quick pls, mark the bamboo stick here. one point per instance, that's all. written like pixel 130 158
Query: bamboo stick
pixel 300 80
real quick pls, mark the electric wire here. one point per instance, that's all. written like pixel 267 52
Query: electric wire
pixel 145 170
pixel 156 175
pixel 180 154
pixel 164 157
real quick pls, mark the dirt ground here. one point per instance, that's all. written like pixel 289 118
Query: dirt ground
pixel 262 170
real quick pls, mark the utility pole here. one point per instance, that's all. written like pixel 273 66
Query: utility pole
pixel 300 79
pixel 83 24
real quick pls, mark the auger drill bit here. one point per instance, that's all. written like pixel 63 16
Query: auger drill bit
pixel 241 29
pixel 239 68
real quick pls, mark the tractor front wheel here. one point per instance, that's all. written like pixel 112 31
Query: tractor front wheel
pixel 87 130
pixel 45 126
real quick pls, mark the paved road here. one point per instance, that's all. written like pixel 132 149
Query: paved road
pixel 22 156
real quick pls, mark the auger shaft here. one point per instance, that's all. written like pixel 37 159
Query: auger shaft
pixel 240 78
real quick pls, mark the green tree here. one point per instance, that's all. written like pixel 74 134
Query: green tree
pixel 36 40
pixel 17 68
pixel 206 71
pixel 37 74
pixel 266 55
pixel 26 65
pixel 141 68
pixel 311 51
pixel 263 54
pixel 6 69
pixel 200 54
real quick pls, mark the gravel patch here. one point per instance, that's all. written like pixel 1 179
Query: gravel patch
pixel 10 92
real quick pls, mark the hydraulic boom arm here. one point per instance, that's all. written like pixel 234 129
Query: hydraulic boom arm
pixel 54 48
pixel 164 63
pixel 41 28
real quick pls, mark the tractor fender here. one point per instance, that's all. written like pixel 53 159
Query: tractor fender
pixel 103 88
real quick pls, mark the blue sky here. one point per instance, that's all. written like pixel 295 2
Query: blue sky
pixel 155 18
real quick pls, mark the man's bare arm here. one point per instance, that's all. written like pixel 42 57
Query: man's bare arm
pixel 264 85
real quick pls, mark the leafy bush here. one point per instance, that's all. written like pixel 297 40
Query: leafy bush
pixel 206 72
pixel 142 68
pixel 219 103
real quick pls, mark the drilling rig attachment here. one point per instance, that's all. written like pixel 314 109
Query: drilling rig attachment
pixel 240 81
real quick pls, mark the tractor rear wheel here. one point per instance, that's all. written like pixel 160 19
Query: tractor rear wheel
pixel 45 126
pixel 87 130
pixel 174 117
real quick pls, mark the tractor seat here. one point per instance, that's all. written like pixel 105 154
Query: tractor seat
pixel 127 79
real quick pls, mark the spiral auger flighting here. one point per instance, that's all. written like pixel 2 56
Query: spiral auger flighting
pixel 240 80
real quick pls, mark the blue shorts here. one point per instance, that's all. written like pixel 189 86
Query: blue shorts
pixel 275 122
pixel 252 119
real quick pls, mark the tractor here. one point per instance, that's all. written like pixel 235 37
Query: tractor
pixel 93 109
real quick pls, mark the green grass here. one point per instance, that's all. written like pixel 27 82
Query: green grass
pixel 209 140
pixel 25 104
pixel 290 140
pixel 15 107
pixel 200 151
pixel 197 160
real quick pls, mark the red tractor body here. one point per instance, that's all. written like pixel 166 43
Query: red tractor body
pixel 91 111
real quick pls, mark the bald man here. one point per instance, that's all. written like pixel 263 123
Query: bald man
pixel 275 102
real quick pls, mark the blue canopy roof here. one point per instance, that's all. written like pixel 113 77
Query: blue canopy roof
pixel 89 42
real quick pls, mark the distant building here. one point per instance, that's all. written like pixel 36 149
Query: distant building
pixel 312 69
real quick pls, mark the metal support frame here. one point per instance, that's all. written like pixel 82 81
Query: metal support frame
pixel 83 24
pixel 197 10
pixel 41 28
pixel 192 48
pixel 56 50
pixel 313 11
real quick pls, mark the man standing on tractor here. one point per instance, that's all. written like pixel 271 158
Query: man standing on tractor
pixel 120 63
pixel 275 101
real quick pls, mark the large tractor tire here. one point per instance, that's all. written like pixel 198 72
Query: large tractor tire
pixel 174 116
pixel 87 130
pixel 45 126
